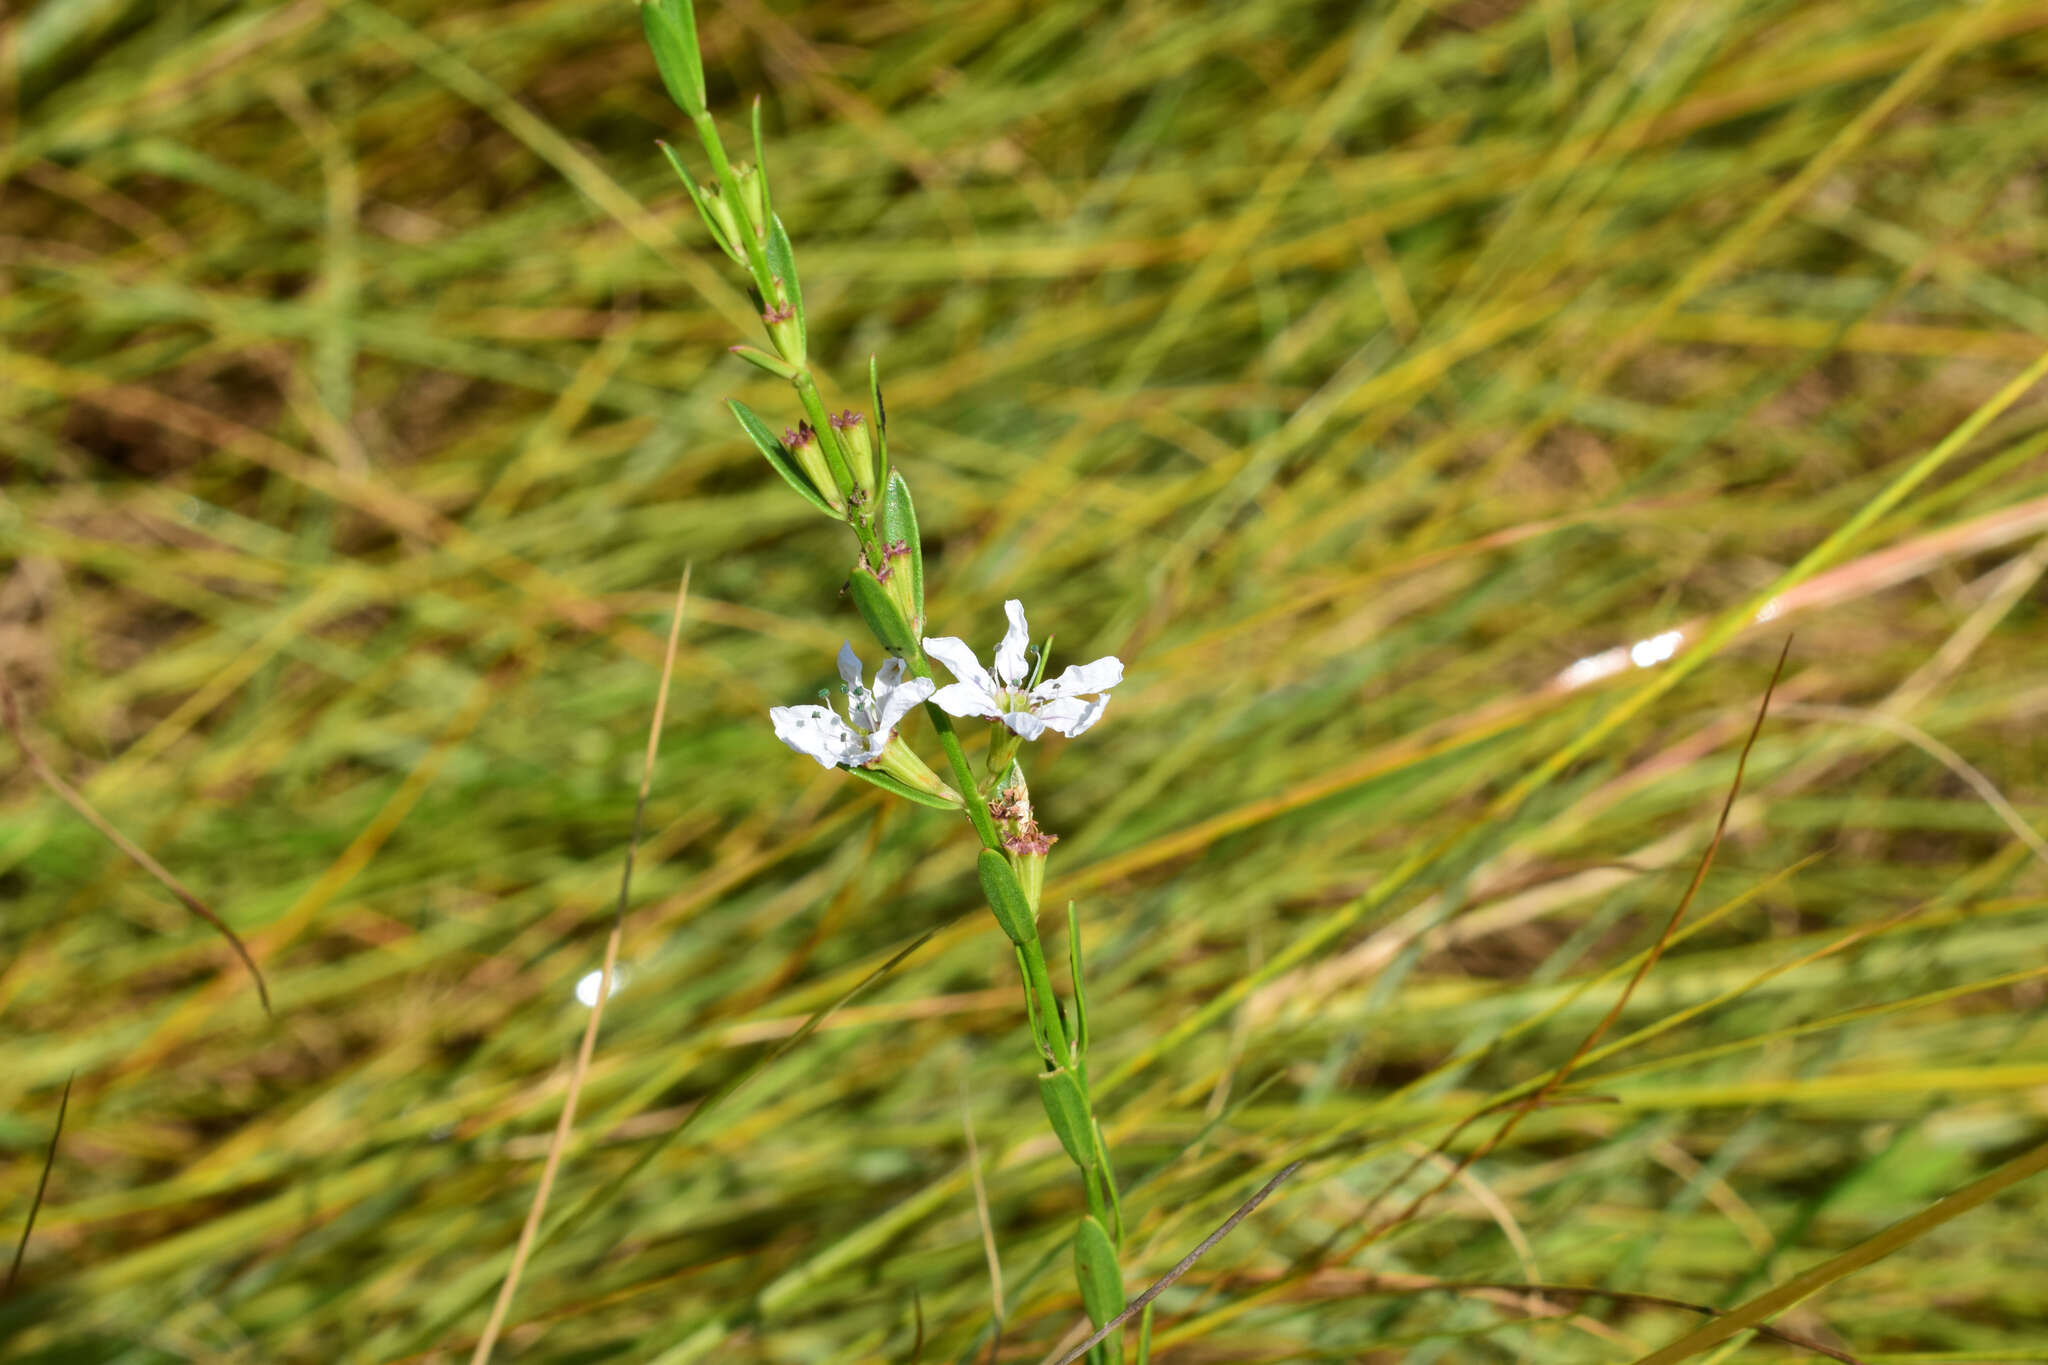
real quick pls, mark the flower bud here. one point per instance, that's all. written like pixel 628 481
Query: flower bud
pixel 860 451
pixel 1022 839
pixel 753 197
pixel 785 331
pixel 802 444
pixel 901 586
pixel 720 212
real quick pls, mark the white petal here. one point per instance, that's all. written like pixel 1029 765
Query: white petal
pixel 588 985
pixel 1071 715
pixel 888 678
pixel 849 664
pixel 952 651
pixel 1082 680
pixel 818 733
pixel 1012 665
pixel 897 703
pixel 964 699
pixel 1024 723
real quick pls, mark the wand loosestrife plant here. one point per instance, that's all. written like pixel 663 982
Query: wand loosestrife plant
pixel 840 465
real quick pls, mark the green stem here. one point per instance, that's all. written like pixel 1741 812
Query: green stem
pixel 828 441
pixel 1115 1221
pixel 1061 1048
pixel 1038 981
pixel 963 773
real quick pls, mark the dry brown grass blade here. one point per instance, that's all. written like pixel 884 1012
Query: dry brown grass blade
pixel 42 1184
pixel 988 1231
pixel 1186 1263
pixel 10 712
pixel 1523 1108
pixel 1540 1292
pixel 560 1141
pixel 1751 1315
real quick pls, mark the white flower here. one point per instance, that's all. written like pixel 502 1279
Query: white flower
pixel 1069 703
pixel 819 732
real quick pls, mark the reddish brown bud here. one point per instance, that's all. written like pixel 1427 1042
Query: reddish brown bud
pixel 1030 839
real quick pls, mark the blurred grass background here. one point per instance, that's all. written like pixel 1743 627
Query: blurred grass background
pixel 1350 370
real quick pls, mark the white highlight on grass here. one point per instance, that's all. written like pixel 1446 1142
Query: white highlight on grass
pixel 587 987
pixel 1656 649
pixel 1594 667
pixel 1608 662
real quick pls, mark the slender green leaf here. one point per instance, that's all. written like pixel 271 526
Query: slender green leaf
pixel 671 28
pixel 1005 897
pixel 899 524
pixel 880 611
pixel 765 442
pixel 782 263
pixel 1074 970
pixel 881 418
pixel 697 198
pixel 1066 1108
pixel 761 164
pixel 761 360
pixel 1102 1284
pixel 898 787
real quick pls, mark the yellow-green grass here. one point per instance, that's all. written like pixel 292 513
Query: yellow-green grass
pixel 1349 370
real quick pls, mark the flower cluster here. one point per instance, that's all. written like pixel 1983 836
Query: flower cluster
pixel 871 716
pixel 1068 704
